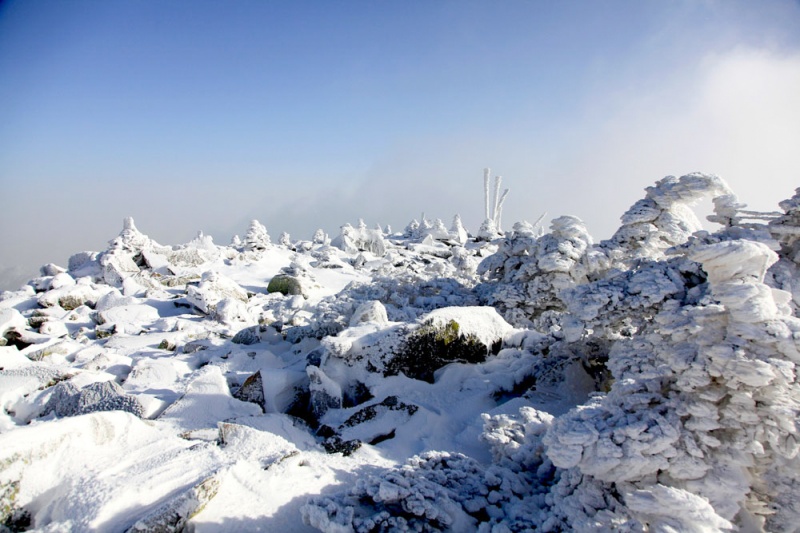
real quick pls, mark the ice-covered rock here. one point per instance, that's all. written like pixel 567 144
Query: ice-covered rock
pixel 458 233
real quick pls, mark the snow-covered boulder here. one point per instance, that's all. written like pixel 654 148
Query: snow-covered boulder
pixel 70 297
pixel 206 402
pixel 372 311
pixel 128 319
pixel 483 323
pixel 353 240
pixel 213 288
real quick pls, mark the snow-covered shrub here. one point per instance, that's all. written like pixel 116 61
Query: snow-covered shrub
pixel 442 339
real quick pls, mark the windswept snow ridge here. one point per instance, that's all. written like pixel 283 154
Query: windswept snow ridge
pixel 427 380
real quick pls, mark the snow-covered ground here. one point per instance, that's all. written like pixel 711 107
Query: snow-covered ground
pixel 421 380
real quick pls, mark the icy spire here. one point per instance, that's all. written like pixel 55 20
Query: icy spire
pixel 493 209
pixel 486 172
pixel 457 230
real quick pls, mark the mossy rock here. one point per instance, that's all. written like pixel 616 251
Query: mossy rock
pixel 431 347
pixel 286 285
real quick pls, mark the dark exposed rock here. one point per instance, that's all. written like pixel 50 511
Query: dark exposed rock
pixel 326 394
pixel 357 394
pixel 247 336
pixel 390 403
pixel 252 390
pixel 335 444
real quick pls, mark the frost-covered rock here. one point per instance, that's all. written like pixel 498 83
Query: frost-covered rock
pixel 117 266
pixel 436 491
pixel 488 231
pixel 321 238
pixel 68 400
pixel 247 336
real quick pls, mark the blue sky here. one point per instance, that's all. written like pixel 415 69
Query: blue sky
pixel 201 115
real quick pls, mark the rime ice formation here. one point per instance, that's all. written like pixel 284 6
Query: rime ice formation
pixel 256 239
pixel 429 380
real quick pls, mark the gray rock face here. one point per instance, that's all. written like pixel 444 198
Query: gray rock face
pixel 252 391
pixel 68 400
